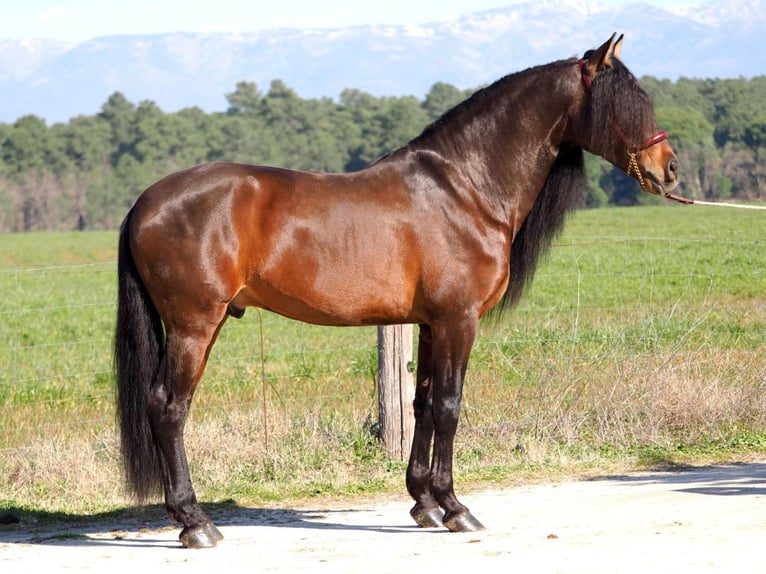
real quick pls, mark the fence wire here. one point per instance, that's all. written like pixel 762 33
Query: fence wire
pixel 57 323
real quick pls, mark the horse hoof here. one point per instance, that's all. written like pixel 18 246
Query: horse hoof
pixel 462 522
pixel 427 517
pixel 202 536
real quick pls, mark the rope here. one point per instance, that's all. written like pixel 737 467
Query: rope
pixel 263 384
pixel 723 204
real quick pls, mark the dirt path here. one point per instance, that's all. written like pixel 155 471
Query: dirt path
pixel 705 520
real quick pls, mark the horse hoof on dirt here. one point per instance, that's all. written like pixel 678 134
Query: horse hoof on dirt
pixel 427 517
pixel 463 522
pixel 202 536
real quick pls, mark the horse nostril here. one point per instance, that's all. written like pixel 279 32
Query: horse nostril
pixel 673 168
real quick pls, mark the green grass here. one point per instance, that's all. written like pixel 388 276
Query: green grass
pixel 640 341
pixel 35 250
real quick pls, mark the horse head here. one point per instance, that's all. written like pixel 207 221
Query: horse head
pixel 618 121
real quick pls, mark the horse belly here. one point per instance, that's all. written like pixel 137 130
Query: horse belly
pixel 308 288
pixel 334 301
pixel 331 250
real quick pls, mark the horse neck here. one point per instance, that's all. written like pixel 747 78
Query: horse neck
pixel 505 139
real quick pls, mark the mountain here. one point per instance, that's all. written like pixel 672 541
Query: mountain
pixel 57 81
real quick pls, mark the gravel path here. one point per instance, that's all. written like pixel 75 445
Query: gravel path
pixel 703 520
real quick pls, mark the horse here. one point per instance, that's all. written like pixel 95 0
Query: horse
pixel 437 233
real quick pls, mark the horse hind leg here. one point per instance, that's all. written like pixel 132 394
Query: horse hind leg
pixel 180 371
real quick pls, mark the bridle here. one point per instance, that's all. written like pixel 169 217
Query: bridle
pixel 632 148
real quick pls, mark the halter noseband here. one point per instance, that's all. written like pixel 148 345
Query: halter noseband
pixel 631 148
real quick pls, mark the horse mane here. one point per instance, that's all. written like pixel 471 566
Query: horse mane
pixel 563 191
pixel 468 109
pixel 615 98
pixel 618 99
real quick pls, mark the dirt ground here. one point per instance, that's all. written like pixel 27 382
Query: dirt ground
pixel 702 520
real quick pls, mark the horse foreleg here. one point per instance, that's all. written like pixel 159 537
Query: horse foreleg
pixel 169 405
pixel 426 511
pixel 451 349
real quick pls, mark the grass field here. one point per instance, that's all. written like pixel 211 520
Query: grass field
pixel 642 341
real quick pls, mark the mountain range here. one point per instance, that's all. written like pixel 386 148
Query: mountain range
pixel 57 81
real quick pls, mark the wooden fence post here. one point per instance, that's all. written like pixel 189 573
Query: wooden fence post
pixel 395 389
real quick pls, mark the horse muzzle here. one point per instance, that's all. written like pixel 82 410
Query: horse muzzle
pixel 666 181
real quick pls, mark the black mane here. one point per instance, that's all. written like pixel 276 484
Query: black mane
pixel 617 99
pixel 563 191
pixel 472 106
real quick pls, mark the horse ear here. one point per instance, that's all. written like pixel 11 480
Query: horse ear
pixel 617 47
pixel 596 60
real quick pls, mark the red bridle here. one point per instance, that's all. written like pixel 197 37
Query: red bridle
pixel 632 148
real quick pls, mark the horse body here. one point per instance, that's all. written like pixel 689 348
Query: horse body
pixel 433 234
pixel 379 238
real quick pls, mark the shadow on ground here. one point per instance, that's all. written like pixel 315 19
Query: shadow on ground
pixel 745 479
pixel 120 526
pixel 41 527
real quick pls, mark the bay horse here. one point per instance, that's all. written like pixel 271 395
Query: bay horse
pixel 438 233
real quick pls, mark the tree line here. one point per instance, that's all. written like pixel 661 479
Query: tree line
pixel 86 173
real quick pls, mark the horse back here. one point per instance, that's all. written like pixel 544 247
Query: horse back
pixel 333 249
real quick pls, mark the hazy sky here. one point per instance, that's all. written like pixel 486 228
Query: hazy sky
pixel 78 20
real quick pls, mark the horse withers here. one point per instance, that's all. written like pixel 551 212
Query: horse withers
pixel 438 233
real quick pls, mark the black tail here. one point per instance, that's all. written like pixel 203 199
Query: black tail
pixel 138 347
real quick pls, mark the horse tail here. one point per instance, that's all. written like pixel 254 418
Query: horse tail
pixel 139 343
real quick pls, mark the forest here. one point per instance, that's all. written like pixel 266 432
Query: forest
pixel 86 173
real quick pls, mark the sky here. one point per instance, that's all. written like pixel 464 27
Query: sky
pixel 79 20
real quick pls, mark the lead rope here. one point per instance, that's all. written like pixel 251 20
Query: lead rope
pixel 633 168
pixel 724 204
pixel 633 162
pixel 263 385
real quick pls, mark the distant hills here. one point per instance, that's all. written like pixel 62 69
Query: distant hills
pixel 57 81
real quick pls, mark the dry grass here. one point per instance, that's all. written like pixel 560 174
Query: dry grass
pixel 66 474
pixel 619 401
pixel 570 417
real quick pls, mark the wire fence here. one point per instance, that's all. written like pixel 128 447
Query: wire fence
pixel 595 297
